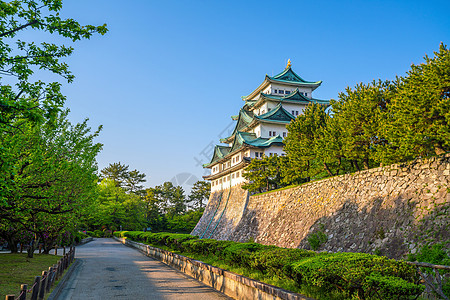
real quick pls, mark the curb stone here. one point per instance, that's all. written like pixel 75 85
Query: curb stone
pixel 62 284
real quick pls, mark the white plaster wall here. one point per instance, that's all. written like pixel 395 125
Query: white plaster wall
pixel 294 107
pixel 278 128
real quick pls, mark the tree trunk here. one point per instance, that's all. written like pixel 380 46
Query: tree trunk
pixel 355 164
pixel 12 244
pixel 327 169
pixel 32 247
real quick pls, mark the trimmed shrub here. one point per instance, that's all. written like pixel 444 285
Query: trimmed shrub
pixel 354 275
pixel 350 271
pixel 240 254
pixel 274 261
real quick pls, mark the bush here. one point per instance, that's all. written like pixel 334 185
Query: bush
pixel 350 271
pixel 240 254
pixel 206 246
pixel 355 275
pixel 389 287
pixel 435 254
pixel 78 236
pixel 274 261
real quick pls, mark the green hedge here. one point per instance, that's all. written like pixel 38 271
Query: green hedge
pixel 356 275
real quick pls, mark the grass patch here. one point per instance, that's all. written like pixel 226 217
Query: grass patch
pixel 17 269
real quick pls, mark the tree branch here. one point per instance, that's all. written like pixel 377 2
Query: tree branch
pixel 18 28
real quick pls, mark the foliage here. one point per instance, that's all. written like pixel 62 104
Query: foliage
pixel 359 275
pixel 22 98
pixel 435 254
pixel 114 209
pixel 317 239
pixel 54 177
pixel 264 174
pixel 199 194
pixel 354 274
pixel 419 123
pixel 25 103
pixel 130 181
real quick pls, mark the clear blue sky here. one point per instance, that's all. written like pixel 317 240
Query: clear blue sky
pixel 168 75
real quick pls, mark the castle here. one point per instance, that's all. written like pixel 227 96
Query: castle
pixel 260 126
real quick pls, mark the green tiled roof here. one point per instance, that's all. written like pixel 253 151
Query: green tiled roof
pixel 278 114
pixel 219 152
pixel 296 96
pixel 288 75
pixel 244 118
pixel 242 139
pixel 251 140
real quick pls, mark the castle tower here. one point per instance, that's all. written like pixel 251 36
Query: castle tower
pixel 260 126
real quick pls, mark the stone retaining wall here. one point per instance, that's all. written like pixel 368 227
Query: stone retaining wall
pixel 387 210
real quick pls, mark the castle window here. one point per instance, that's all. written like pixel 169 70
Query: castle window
pixel 256 154
pixel 287 92
pixel 284 134
pixel 296 112
pixel 270 133
pixel 281 91
pixel 275 91
pixel 232 176
pixel 306 94
pixel 293 113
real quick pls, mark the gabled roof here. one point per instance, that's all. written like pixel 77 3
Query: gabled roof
pixel 219 153
pixel 288 75
pixel 250 139
pixel 295 96
pixel 278 114
pixel 243 119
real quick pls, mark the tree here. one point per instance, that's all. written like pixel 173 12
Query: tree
pixel 128 180
pixel 264 174
pixel 419 119
pixel 54 176
pixel 19 60
pixel 360 114
pixel 116 172
pixel 200 194
pixel 301 142
pixel 114 209
pixel 133 182
pixel 25 103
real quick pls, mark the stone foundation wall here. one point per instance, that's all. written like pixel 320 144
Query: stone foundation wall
pixel 388 210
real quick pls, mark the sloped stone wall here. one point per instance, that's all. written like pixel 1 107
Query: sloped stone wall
pixel 388 210
pixel 222 214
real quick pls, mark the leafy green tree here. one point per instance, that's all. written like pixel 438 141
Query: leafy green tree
pixel 133 182
pixel 54 178
pixel 200 194
pixel 360 114
pixel 264 174
pixel 419 123
pixel 116 172
pixel 114 209
pixel 19 60
pixel 26 102
pixel 300 143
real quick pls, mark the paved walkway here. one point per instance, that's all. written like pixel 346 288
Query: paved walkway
pixel 109 270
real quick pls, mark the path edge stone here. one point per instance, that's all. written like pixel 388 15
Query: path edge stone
pixel 62 284
pixel 231 284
